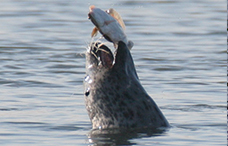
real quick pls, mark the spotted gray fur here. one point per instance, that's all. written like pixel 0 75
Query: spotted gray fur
pixel 114 96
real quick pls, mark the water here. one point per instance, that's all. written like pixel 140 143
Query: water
pixel 179 53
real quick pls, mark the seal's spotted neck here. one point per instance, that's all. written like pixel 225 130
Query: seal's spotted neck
pixel 114 96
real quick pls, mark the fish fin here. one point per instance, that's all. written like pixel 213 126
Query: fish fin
pixel 117 16
pixel 130 44
pixel 94 32
pixel 91 8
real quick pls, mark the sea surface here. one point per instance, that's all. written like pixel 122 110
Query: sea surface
pixel 179 53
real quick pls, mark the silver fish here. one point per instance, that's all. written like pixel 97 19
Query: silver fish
pixel 110 25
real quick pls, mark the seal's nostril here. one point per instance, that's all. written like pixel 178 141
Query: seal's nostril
pixel 87 93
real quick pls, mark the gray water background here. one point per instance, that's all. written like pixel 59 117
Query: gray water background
pixel 179 54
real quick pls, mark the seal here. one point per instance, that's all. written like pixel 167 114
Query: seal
pixel 114 96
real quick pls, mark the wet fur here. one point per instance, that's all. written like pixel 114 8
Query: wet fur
pixel 115 98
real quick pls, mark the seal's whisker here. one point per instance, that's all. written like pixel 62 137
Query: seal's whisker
pixel 94 54
pixel 100 49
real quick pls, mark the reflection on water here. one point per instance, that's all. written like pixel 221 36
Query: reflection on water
pixel 121 136
pixel 179 53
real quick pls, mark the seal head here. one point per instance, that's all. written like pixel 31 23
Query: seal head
pixel 113 94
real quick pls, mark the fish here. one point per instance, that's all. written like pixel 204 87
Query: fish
pixel 115 15
pixel 109 24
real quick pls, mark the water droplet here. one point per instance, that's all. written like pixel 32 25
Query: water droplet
pixel 87 78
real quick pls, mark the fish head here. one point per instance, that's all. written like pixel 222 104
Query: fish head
pixel 99 18
pixel 107 25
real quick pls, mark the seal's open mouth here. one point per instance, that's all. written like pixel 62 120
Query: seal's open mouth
pixel 99 58
pixel 103 54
